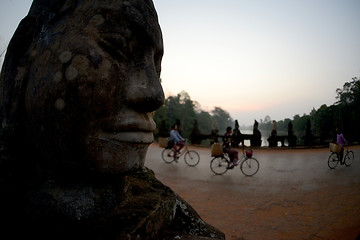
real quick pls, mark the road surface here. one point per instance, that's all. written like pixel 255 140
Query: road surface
pixel 294 195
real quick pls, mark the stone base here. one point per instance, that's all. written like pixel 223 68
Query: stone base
pixel 134 206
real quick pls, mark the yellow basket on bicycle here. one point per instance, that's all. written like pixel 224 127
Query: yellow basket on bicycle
pixel 336 148
pixel 216 150
pixel 163 142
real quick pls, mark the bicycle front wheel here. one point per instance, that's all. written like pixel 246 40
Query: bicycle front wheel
pixel 249 166
pixel 349 158
pixel 168 155
pixel 219 165
pixel 192 158
pixel 333 160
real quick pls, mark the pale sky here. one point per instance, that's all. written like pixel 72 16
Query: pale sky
pixel 252 58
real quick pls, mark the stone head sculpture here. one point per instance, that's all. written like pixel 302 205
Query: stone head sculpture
pixel 81 84
pixel 78 89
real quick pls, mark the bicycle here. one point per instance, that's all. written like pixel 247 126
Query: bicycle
pixel 192 158
pixel 334 157
pixel 249 166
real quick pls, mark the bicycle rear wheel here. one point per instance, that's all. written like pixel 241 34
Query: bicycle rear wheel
pixel 333 160
pixel 249 166
pixel 192 158
pixel 168 155
pixel 349 158
pixel 218 165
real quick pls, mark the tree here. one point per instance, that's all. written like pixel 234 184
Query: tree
pixel 348 102
pixel 350 93
pixel 222 118
pixel 179 108
pixel 205 121
pixel 266 125
pixel 345 113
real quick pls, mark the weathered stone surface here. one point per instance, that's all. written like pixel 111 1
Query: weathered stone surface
pixel 87 73
pixel 78 88
pixel 134 206
pixel 187 224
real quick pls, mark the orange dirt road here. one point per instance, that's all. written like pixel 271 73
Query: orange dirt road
pixel 293 196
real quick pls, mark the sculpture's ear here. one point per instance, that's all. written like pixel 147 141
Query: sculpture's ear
pixel 14 71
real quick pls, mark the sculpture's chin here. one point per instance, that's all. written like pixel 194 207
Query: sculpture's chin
pixel 116 157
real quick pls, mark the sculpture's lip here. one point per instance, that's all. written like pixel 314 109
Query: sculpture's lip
pixel 138 132
pixel 145 137
pixel 127 121
pixel 126 126
pixel 134 126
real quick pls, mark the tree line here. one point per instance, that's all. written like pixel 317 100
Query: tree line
pixel 343 114
pixel 180 109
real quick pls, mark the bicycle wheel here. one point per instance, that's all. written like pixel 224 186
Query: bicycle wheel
pixel 349 158
pixel 218 165
pixel 333 160
pixel 192 158
pixel 168 155
pixel 249 166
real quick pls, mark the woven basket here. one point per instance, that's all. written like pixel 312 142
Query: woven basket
pixel 163 142
pixel 335 147
pixel 216 150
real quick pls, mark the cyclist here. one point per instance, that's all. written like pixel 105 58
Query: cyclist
pixel 176 139
pixel 340 140
pixel 233 154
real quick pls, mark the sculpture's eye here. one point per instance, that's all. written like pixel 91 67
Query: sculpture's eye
pixel 157 61
pixel 115 45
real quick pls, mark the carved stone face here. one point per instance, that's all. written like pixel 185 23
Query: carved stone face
pixel 94 85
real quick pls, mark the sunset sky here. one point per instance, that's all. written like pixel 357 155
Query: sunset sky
pixel 252 58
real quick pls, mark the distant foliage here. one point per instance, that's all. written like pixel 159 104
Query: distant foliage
pixel 350 93
pixel 343 114
pixel 182 110
pixel 222 118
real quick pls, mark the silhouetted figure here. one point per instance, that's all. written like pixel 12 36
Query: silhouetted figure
pixel 237 137
pixel 291 137
pixel 256 139
pixel 214 133
pixel 309 139
pixel 273 136
pixel 163 130
pixel 195 135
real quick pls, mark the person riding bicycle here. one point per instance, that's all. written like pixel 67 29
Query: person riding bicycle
pixel 233 154
pixel 340 140
pixel 176 139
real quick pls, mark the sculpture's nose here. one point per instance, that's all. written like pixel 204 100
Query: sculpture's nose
pixel 145 92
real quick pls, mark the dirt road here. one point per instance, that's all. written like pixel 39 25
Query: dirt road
pixel 293 196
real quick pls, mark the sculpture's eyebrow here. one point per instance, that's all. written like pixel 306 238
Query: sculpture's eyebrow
pixel 146 35
pixel 143 23
pixel 133 23
pixel 147 32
